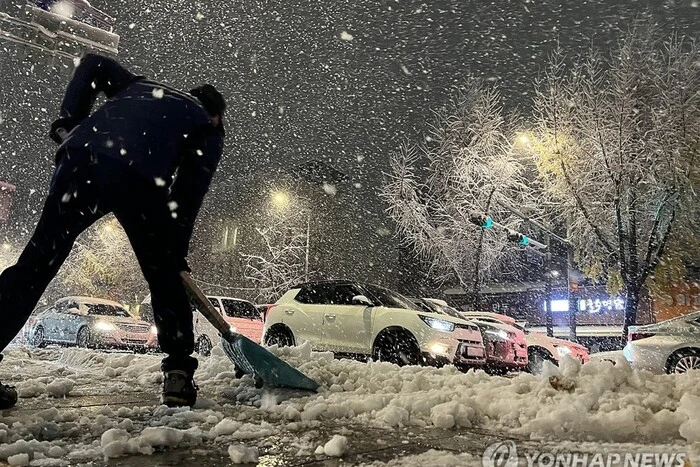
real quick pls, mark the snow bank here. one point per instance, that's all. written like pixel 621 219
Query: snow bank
pixel 241 454
pixel 599 401
pixel 336 446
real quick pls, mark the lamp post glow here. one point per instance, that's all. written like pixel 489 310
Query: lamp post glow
pixel 281 200
pixel 523 138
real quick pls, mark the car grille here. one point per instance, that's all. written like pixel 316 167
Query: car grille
pixel 471 327
pixel 134 329
pixel 134 341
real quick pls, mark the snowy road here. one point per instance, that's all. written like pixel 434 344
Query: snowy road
pixel 79 406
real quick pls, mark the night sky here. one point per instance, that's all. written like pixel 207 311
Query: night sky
pixel 345 82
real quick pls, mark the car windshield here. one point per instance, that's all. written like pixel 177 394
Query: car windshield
pixel 101 309
pixel 391 299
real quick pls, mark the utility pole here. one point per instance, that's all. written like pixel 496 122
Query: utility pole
pixel 549 319
pixel 486 222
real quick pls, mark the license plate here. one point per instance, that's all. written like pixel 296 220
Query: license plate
pixel 475 352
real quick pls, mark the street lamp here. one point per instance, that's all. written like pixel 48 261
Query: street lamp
pixel 281 200
pixel 523 138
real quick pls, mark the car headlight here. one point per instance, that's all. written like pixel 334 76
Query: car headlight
pixel 563 350
pixel 439 349
pixel 154 330
pixel 438 324
pixel 500 333
pixel 105 326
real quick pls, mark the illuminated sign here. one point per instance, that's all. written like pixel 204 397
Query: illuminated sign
pixel 596 305
pixel 589 305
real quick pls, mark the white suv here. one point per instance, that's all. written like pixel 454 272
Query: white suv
pixel 365 320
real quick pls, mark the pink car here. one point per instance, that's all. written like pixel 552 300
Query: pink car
pixel 540 347
pixel 243 317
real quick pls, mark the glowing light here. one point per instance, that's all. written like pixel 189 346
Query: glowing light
pixel 280 199
pixel 523 138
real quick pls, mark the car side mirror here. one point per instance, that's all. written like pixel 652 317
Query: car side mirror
pixel 362 300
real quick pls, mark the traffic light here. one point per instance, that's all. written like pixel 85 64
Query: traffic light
pixel 482 220
pixel 517 237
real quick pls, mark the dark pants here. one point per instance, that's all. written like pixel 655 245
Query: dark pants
pixel 84 188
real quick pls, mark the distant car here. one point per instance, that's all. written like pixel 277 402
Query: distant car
pixel 242 315
pixel 263 309
pixel 369 321
pixel 506 349
pixel 540 347
pixel 671 346
pixel 91 323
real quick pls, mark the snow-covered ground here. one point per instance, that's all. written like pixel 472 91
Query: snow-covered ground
pixel 597 402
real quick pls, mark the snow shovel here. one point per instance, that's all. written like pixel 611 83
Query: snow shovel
pixel 249 357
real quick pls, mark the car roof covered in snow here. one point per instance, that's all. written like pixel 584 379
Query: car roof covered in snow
pixel 98 301
pixel 488 314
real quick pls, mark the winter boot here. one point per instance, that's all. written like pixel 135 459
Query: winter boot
pixel 179 389
pixel 8 395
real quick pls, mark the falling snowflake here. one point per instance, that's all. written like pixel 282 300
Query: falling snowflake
pixel 172 205
pixel 199 16
pixel 329 189
pixel 159 181
pixel 346 36
pixel 132 25
pixel 122 151
pixel 158 93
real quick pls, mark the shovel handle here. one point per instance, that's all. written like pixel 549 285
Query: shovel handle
pixel 204 305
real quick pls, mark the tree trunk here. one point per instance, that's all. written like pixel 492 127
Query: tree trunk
pixel 631 304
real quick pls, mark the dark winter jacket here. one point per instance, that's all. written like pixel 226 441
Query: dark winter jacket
pixel 156 129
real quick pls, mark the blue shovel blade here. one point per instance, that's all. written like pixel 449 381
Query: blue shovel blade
pixel 254 359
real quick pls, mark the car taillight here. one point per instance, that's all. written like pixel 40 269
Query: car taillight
pixel 635 336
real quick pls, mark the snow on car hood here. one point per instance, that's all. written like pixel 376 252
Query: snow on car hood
pixel 605 402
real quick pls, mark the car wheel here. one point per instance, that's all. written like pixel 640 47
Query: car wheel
pixel 84 338
pixel 399 348
pixel 684 361
pixel 535 361
pixel 204 346
pixel 281 337
pixel 39 338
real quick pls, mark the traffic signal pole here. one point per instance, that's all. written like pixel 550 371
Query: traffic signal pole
pixel 486 222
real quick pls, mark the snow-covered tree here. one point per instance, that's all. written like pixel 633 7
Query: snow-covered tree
pixel 617 140
pixel 466 165
pixel 102 264
pixel 281 261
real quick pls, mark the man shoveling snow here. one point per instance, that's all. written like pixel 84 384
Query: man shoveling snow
pixel 148 156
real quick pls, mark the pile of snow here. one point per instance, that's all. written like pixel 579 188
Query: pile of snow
pixel 335 447
pixel 599 401
pixel 241 454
